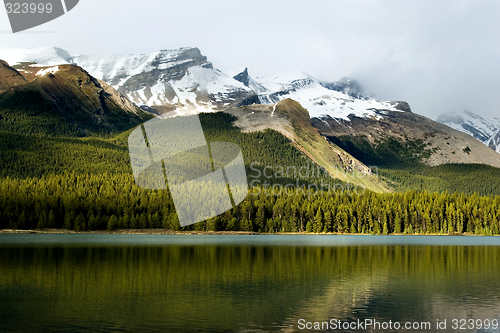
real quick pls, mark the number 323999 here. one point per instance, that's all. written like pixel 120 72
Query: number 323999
pixel 25 8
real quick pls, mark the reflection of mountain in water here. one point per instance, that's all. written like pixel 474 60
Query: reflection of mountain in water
pixel 241 288
pixel 407 285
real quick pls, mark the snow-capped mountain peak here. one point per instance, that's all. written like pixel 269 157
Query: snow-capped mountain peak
pixel 242 76
pixel 319 100
pixel 115 69
pixel 180 79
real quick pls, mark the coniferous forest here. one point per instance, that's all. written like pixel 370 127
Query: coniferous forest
pixel 86 183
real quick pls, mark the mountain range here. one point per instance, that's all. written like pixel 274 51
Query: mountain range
pixel 183 80
pixel 332 123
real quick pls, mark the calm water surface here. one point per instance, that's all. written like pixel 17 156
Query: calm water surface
pixel 186 283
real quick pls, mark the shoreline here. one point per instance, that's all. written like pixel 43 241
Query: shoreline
pixel 214 233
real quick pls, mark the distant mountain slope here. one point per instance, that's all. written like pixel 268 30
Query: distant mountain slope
pixel 167 80
pixel 395 137
pixel 43 56
pixel 486 130
pixel 65 99
pixel 184 81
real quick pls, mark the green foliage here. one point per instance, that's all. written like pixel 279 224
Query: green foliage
pixel 107 201
pixel 35 156
pixel 29 113
pixel 268 149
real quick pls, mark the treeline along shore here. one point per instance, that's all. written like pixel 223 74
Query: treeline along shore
pixel 88 202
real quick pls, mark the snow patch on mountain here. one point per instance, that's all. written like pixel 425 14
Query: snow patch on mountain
pixel 179 79
pixel 242 76
pixel 494 142
pixel 318 99
pixel 116 69
pixel 50 70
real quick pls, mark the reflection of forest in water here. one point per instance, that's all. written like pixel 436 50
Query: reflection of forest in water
pixel 232 288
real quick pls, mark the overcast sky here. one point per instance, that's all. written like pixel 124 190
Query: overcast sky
pixel 437 55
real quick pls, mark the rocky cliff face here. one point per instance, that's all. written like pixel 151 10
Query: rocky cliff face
pixel 181 80
pixel 494 142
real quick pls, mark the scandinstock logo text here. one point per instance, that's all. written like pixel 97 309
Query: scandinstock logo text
pixel 205 179
pixel 26 14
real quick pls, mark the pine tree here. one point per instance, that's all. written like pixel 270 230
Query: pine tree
pixel 21 222
pixel 309 227
pixel 112 223
pixel 79 224
pixel 328 221
pixel 397 224
pixel 42 221
pixel 318 222
pixel 51 221
pixel 385 229
pixel 69 219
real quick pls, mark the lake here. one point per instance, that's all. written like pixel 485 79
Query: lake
pixel 247 283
